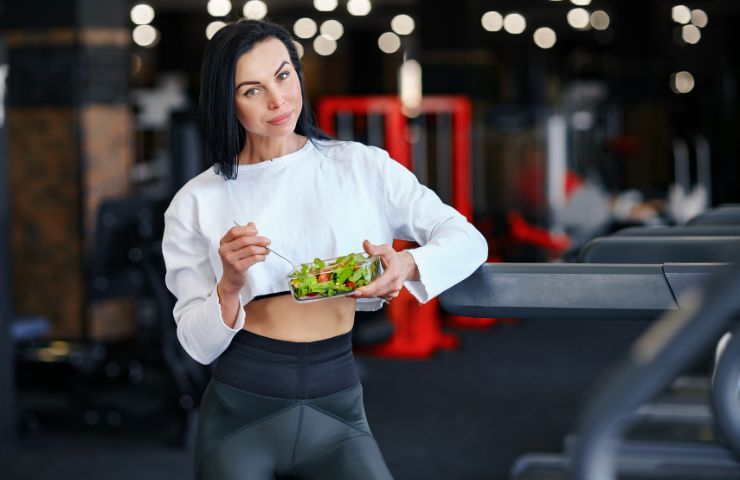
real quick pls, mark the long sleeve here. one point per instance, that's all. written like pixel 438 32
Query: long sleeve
pixel 450 247
pixel 190 277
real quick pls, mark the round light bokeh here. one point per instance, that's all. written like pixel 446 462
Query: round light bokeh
pixel 581 3
pixel 515 23
pixel 699 18
pixel 218 8
pixel 304 28
pixel 145 35
pixel 544 37
pixel 359 8
pixel 492 21
pixel 690 34
pixel 682 82
pixel 389 42
pixel 324 45
pixel 325 5
pixel 600 20
pixel 255 10
pixel 332 29
pixel 299 49
pixel 579 18
pixel 214 27
pixel 403 24
pixel 142 14
pixel 681 14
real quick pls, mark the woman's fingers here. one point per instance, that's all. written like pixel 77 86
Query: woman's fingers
pixel 239 231
pixel 389 284
pixel 244 241
pixel 384 251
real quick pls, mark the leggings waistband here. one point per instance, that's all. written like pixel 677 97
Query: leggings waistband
pixel 283 369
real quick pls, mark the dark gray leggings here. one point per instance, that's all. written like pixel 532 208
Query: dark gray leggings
pixel 277 409
pixel 246 436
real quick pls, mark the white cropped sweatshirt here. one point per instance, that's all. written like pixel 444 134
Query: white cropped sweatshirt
pixel 321 201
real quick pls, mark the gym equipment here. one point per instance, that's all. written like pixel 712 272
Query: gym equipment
pixel 575 291
pixel 663 352
pixel 729 215
pixel 682 231
pixel 671 249
pixel 128 381
pixel 582 291
pixel 681 415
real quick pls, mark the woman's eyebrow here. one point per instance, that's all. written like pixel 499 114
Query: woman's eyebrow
pixel 253 82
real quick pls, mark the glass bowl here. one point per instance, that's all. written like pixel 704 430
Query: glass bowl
pixel 332 277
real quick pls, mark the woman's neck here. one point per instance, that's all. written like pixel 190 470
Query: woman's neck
pixel 258 149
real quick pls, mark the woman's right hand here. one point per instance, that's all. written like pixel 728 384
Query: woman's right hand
pixel 240 248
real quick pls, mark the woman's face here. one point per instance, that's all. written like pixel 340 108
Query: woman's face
pixel 268 91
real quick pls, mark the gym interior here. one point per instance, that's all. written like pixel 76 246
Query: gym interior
pixel 594 144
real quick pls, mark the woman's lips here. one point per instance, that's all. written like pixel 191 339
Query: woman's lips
pixel 281 119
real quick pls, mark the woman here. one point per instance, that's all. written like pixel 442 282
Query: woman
pixel 285 399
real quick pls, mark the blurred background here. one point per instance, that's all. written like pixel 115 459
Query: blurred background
pixel 546 122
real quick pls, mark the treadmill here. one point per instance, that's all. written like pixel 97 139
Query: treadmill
pixel 588 291
pixel 728 215
pixel 683 411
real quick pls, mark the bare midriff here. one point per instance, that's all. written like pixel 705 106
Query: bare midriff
pixel 282 318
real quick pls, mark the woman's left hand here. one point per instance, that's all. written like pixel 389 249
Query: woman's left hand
pixel 397 268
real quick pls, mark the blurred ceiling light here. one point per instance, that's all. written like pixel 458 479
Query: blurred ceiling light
pixel 324 45
pixel 145 35
pixel 218 8
pixel 299 49
pixel 690 34
pixel 142 14
pixel 214 27
pixel 325 5
pixel 581 3
pixel 332 29
pixel 492 21
pixel 681 14
pixel 359 8
pixel 544 37
pixel 304 28
pixel 389 42
pixel 682 82
pixel 409 84
pixel 402 24
pixel 255 9
pixel 578 18
pixel 600 20
pixel 514 23
pixel 699 18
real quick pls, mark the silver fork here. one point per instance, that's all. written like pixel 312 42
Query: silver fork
pixel 273 251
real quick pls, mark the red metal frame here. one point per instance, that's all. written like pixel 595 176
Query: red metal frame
pixel 418 331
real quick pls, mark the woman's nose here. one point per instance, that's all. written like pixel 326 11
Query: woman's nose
pixel 275 100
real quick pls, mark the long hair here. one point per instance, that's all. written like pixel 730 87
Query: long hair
pixel 223 135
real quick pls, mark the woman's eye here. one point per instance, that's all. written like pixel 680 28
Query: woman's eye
pixel 283 75
pixel 251 92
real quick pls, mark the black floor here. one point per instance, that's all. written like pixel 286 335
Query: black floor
pixel 465 414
